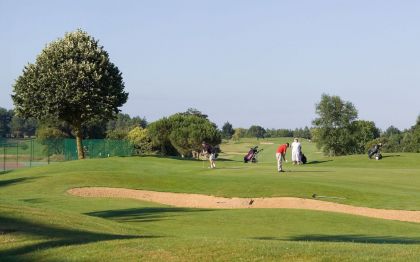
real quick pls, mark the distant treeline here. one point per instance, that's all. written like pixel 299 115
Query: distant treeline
pixel 182 133
pixel 256 131
pixel 14 126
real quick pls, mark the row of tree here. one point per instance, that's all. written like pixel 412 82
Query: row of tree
pixel 13 126
pixel 256 131
pixel 395 140
pixel 338 131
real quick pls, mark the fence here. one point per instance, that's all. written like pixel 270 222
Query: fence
pixel 98 148
pixel 18 153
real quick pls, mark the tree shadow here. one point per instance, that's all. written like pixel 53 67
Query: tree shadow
pixel 146 214
pixel 13 181
pixel 184 158
pixel 310 171
pixel 225 160
pixel 34 200
pixel 318 162
pixel 51 237
pixel 386 156
pixel 348 239
pixel 234 167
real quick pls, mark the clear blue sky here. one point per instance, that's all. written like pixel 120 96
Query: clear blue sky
pixel 246 62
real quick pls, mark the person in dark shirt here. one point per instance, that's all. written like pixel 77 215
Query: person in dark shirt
pixel 211 154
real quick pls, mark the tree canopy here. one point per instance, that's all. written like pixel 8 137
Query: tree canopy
pixel 5 119
pixel 334 127
pixel 364 132
pixel 140 139
pixel 119 127
pixel 227 131
pixel 72 80
pixel 256 131
pixel 183 133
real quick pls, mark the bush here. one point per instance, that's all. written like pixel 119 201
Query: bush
pixel 140 139
pixel 183 133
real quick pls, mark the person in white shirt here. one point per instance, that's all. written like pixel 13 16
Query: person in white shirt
pixel 296 152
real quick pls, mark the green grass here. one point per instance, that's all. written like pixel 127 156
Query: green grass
pixel 39 221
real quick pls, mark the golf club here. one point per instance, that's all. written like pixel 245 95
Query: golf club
pixel 333 197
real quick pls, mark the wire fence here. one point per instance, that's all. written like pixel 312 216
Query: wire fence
pixel 19 153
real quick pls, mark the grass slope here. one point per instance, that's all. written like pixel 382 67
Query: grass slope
pixel 39 221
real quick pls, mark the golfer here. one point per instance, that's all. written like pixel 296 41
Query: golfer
pixel 281 156
pixel 296 152
pixel 211 154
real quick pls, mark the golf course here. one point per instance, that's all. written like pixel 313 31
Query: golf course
pixel 40 220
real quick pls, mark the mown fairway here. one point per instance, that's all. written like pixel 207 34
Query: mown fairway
pixel 39 221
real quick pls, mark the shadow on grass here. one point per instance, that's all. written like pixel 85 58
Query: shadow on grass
pixel 35 200
pixel 225 160
pixel 146 214
pixel 318 162
pixel 15 181
pixel 50 237
pixel 310 171
pixel 386 156
pixel 234 167
pixel 348 239
pixel 185 158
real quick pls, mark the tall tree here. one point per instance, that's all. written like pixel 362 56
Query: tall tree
pixel 159 132
pixel 392 130
pixel 334 125
pixel 5 120
pixel 256 131
pixel 227 130
pixel 411 139
pixel 183 133
pixel 21 127
pixel 239 133
pixel 72 80
pixel 189 131
pixel 364 131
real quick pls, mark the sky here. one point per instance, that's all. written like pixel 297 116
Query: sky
pixel 246 62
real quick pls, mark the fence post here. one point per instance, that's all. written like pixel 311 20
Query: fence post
pixel 17 154
pixel 4 158
pixel 30 154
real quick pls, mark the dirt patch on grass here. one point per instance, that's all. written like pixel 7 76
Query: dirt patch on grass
pixel 205 201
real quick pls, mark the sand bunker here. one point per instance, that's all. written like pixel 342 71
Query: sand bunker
pixel 204 201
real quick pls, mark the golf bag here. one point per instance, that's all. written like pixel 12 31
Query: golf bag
pixel 375 152
pixel 252 155
pixel 303 158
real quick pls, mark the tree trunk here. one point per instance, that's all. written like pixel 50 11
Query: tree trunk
pixel 79 144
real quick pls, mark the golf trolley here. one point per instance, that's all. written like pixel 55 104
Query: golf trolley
pixel 252 155
pixel 303 158
pixel 375 152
